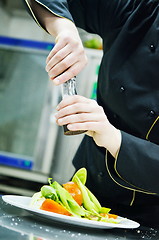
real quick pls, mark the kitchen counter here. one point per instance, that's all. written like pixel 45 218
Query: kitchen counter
pixel 17 224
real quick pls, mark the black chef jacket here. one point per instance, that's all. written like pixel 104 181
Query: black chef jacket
pixel 128 90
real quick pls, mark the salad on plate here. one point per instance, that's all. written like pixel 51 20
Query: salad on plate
pixel 72 199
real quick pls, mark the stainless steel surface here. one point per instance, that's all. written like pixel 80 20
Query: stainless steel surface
pixel 27 97
pixel 17 224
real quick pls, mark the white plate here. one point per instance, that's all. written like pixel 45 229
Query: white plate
pixel 23 203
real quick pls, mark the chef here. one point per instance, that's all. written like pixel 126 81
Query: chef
pixel 121 147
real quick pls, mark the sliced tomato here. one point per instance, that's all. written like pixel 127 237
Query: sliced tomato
pixel 75 192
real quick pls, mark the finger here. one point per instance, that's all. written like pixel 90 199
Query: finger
pixel 61 65
pixel 78 118
pixel 89 126
pixel 72 71
pixel 58 46
pixel 78 108
pixel 69 100
pixel 69 111
pixel 58 57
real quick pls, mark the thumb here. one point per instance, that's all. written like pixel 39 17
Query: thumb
pixel 89 133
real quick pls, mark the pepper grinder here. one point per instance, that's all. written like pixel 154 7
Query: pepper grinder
pixel 68 89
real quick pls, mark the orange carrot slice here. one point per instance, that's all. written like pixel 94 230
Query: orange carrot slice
pixel 109 215
pixel 52 206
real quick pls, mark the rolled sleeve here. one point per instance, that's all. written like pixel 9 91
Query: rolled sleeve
pixel 58 8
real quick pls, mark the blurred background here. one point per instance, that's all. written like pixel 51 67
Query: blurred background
pixel 32 146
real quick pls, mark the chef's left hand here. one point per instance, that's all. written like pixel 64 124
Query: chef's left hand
pixel 80 113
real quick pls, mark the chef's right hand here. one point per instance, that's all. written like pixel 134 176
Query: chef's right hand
pixel 68 57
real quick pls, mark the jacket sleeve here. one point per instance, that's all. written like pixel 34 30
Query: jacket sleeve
pixel 69 9
pixel 58 8
pixel 95 16
pixel 137 164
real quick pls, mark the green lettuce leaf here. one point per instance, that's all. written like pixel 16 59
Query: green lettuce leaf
pixel 90 202
pixel 49 192
pixel 67 200
pixel 81 174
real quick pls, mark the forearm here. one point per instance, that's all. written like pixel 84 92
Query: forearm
pixel 68 57
pixel 52 23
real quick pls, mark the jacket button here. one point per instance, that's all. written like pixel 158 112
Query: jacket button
pixel 122 89
pixel 151 113
pixel 100 174
pixel 152 48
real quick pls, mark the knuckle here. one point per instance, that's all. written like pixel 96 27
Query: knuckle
pixel 65 64
pixel 76 44
pixel 81 52
pixel 48 66
pixel 100 109
pixel 77 98
pixel 76 108
pixel 82 117
pixel 86 125
pixel 58 57
pixel 53 72
pixel 94 102
pixel 73 72
pixel 67 38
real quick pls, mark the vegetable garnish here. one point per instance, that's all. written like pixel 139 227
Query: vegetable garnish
pixel 72 199
pixel 75 191
pixel 52 206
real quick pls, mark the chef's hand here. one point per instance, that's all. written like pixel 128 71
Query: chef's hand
pixel 67 58
pixel 80 113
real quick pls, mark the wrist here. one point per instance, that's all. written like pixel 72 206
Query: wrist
pixel 60 25
pixel 114 143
